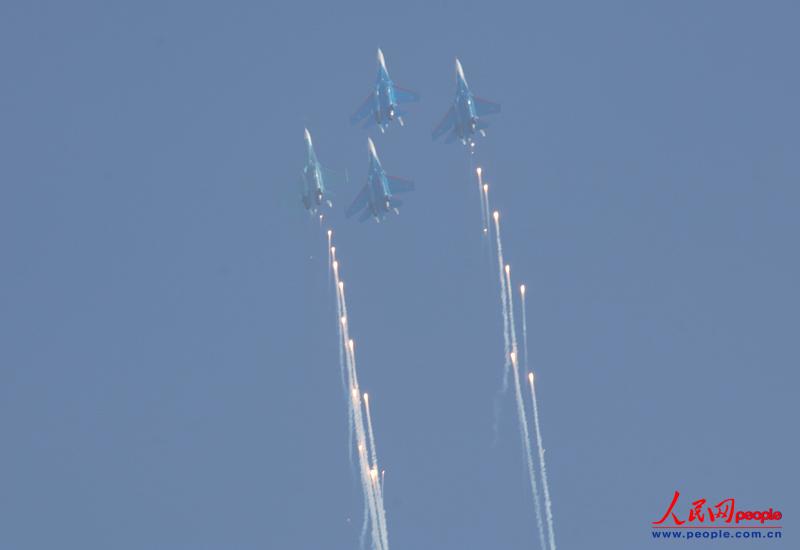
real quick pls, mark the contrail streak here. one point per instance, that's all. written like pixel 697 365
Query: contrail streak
pixel 341 327
pixel 548 507
pixel 366 483
pixel 523 424
pixel 510 340
pixel 374 471
pixel 364 525
pixel 503 301
pixel 484 219
pixel 485 195
pixel 511 322
pixel 524 326
pixel 373 451
pixel 373 496
pixel 542 467
pixel 354 411
pixel 331 253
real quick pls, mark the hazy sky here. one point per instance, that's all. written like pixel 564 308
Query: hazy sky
pixel 168 357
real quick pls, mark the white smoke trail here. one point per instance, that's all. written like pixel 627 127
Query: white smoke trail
pixel 372 495
pixel 510 340
pixel 523 423
pixel 341 326
pixel 511 322
pixel 484 220
pixel 331 254
pixel 485 200
pixel 524 326
pixel 364 468
pixel 542 466
pixel 364 525
pixel 374 471
pixel 369 498
pixel 548 507
pixel 503 301
pixel 373 450
pixel 354 410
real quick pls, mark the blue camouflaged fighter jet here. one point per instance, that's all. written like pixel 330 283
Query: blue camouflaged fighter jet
pixel 462 120
pixel 377 198
pixel 382 105
pixel 314 189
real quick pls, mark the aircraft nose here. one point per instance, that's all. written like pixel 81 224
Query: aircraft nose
pixel 460 71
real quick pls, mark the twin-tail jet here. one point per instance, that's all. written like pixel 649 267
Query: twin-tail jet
pixel 382 105
pixel 314 185
pixel 377 198
pixel 463 120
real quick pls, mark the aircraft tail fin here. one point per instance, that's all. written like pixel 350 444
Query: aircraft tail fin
pixel 363 111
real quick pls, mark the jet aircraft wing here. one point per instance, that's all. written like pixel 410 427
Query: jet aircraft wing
pixel 365 215
pixel 400 185
pixel 404 95
pixel 485 107
pixel 446 124
pixel 359 203
pixel 364 110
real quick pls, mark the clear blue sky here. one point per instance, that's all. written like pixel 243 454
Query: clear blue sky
pixel 168 360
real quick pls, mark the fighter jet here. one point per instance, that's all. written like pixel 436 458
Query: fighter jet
pixel 381 106
pixel 313 185
pixel 462 120
pixel 377 198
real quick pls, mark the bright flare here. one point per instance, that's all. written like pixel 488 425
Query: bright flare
pixel 510 348
pixel 484 221
pixel 375 513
